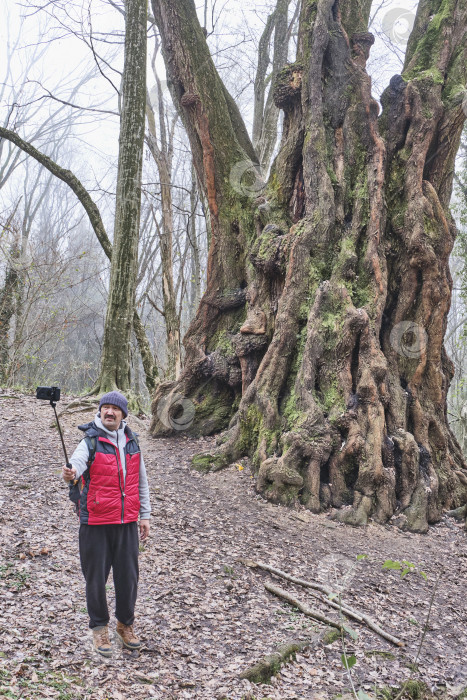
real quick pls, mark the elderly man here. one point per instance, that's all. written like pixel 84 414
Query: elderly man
pixel 114 493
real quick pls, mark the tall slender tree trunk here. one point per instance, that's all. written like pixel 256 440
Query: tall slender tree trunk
pixel 195 280
pixel 8 297
pixel 171 316
pixel 20 293
pixel 115 360
pixel 320 341
pixel 162 155
pixel 266 113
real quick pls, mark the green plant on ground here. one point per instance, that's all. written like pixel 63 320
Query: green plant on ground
pixel 14 577
pixel 412 688
pixel 29 689
pixel 404 566
pixel 348 660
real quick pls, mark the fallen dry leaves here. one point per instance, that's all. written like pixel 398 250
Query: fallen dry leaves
pixel 205 617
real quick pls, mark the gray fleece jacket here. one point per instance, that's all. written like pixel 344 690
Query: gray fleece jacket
pixel 80 456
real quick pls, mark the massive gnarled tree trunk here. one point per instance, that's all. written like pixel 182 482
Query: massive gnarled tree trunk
pixel 320 335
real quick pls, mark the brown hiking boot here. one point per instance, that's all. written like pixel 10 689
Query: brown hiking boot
pixel 101 641
pixel 127 636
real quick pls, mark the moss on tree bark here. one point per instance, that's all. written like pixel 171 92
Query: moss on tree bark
pixel 115 359
pixel 344 270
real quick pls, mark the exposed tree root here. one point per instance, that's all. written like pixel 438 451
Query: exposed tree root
pixel 458 514
pixel 330 369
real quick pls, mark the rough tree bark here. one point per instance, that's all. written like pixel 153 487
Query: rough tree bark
pixel 266 113
pixel 115 359
pixel 195 280
pixel 319 341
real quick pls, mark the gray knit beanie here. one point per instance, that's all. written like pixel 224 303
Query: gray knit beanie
pixel 116 399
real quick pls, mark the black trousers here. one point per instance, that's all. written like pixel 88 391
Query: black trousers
pixel 105 547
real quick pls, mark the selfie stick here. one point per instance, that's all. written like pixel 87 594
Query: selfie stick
pixel 53 404
pixel 70 466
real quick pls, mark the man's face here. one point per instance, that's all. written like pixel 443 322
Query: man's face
pixel 111 416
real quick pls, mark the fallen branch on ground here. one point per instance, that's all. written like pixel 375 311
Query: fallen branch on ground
pixel 269 665
pixel 288 577
pixel 309 612
pixel 343 607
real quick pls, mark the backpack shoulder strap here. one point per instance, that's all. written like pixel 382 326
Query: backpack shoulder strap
pixel 91 442
pixel 130 435
pixel 75 489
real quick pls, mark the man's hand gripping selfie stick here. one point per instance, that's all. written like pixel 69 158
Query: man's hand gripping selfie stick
pixel 52 394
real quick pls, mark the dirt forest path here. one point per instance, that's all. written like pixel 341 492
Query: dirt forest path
pixel 203 615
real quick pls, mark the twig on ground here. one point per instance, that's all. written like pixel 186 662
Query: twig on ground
pixel 425 630
pixel 309 612
pixel 269 665
pixel 346 609
pixel 287 577
pixel 345 659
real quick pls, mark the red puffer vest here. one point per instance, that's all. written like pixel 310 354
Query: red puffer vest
pixel 107 498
